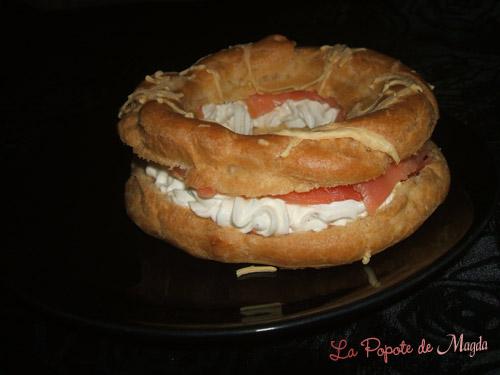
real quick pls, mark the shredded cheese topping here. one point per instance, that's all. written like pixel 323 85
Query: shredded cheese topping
pixel 368 138
pixel 387 95
pixel 338 54
pixel 164 89
pixel 189 72
pixel 246 60
pixel 167 88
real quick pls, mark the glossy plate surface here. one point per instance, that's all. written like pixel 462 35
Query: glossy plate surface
pixel 83 259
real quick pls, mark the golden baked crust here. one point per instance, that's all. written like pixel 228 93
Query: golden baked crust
pixel 378 93
pixel 414 201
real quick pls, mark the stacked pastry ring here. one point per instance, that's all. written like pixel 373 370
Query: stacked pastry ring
pixel 270 195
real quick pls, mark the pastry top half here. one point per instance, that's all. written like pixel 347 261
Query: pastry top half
pixel 389 114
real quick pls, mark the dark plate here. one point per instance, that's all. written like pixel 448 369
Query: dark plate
pixel 83 259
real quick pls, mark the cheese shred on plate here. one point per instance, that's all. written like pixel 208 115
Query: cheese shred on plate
pixel 254 269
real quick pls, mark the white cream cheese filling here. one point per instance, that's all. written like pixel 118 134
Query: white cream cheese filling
pixel 265 216
pixel 295 114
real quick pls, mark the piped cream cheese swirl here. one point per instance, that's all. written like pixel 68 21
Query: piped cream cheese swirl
pixel 265 216
pixel 295 114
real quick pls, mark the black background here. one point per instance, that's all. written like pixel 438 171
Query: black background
pixel 68 67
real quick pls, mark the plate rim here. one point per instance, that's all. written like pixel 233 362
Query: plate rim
pixel 320 315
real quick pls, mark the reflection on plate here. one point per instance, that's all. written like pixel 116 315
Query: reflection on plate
pixel 173 281
pixel 93 265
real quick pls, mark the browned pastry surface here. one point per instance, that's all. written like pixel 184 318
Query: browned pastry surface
pixel 414 200
pixel 381 96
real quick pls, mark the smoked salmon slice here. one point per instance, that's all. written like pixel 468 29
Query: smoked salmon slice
pixel 376 191
pixel 322 195
pixel 373 193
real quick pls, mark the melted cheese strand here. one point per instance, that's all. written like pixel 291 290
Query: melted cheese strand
pixel 216 77
pixel 248 65
pixel 293 142
pixel 387 95
pixel 366 137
